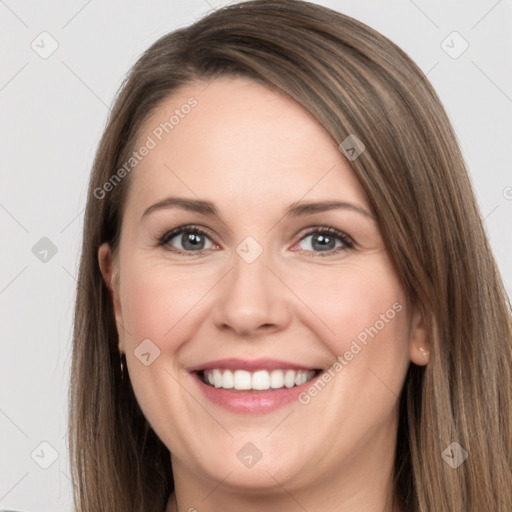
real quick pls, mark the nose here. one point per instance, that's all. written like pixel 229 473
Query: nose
pixel 252 300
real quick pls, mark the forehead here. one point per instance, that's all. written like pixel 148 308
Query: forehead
pixel 238 144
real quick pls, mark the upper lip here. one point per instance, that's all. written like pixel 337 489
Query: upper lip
pixel 249 365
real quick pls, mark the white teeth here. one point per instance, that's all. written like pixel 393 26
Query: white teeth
pixel 289 378
pixel 242 379
pixel 217 378
pixel 258 380
pixel 227 380
pixel 276 379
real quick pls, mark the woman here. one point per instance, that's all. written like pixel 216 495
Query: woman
pixel 341 338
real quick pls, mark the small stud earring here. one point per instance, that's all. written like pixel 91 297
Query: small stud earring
pixel 424 351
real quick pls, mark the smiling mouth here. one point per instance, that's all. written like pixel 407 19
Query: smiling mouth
pixel 260 380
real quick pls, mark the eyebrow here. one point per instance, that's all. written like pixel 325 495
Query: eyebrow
pixel 296 209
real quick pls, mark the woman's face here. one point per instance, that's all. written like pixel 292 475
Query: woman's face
pixel 259 293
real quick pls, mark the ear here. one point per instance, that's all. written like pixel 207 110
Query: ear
pixel 418 346
pixel 110 271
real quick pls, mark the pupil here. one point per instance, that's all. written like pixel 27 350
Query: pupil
pixel 194 240
pixel 326 242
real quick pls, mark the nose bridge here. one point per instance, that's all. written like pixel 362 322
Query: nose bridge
pixel 251 297
pixel 250 272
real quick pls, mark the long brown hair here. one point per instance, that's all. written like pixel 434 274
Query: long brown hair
pixel 354 81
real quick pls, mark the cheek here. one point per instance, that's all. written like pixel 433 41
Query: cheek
pixel 362 315
pixel 356 302
pixel 158 304
pixel 155 300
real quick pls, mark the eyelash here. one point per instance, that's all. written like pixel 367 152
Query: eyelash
pixel 163 240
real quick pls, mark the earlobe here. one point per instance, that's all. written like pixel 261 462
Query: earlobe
pixel 419 352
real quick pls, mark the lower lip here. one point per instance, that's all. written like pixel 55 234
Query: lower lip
pixel 252 402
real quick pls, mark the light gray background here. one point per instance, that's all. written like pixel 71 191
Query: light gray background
pixel 54 111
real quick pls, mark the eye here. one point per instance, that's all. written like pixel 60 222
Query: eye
pixel 187 239
pixel 325 241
